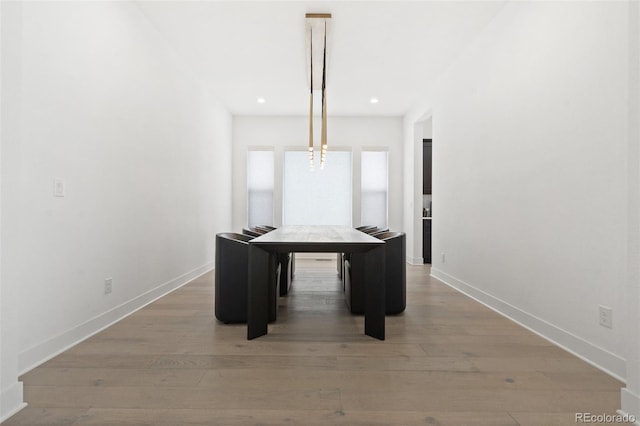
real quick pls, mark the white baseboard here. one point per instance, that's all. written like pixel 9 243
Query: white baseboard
pixel 415 261
pixel 602 359
pixel 46 350
pixel 630 404
pixel 11 401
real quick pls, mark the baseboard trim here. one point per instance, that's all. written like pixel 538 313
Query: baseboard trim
pixel 602 359
pixel 415 261
pixel 38 354
pixel 11 401
pixel 630 404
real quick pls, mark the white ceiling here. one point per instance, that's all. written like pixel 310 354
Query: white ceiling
pixel 392 50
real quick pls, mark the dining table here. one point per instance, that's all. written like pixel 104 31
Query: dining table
pixel 315 239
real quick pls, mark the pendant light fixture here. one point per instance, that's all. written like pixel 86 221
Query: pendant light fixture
pixel 316 29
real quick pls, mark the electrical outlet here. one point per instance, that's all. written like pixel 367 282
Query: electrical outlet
pixel 58 187
pixel 443 258
pixel 606 316
pixel 107 285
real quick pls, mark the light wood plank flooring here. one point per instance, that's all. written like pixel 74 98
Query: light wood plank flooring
pixel 446 361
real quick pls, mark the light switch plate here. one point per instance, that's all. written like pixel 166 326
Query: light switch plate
pixel 58 187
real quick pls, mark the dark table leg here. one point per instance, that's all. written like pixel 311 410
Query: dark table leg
pixel 285 273
pixel 258 303
pixel 374 308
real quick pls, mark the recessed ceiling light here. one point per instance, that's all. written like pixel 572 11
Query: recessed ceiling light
pixel 373 100
pixel 261 100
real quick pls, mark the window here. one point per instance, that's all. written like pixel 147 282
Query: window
pixel 318 197
pixel 260 177
pixel 373 197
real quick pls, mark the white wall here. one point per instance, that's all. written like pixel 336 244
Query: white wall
pixel 97 99
pixel 530 172
pixel 630 396
pixel 11 397
pixel 355 133
pixel 409 187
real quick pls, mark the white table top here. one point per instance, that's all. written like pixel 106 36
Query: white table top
pixel 317 238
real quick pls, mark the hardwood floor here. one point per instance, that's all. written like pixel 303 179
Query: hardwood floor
pixel 446 361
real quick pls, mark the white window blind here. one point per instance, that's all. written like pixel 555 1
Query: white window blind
pixel 260 177
pixel 373 197
pixel 319 197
